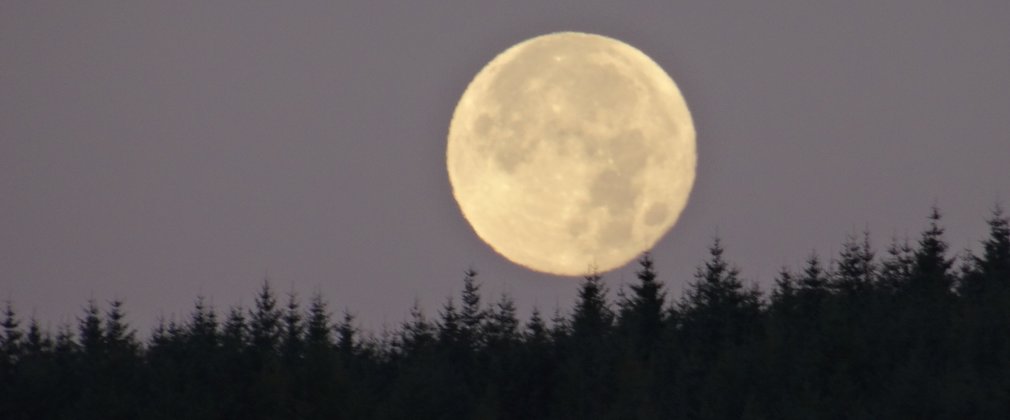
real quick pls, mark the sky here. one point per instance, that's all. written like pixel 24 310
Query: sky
pixel 156 151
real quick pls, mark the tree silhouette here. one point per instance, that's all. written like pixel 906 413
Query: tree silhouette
pixel 902 335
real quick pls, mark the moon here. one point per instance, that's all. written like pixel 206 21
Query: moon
pixel 571 152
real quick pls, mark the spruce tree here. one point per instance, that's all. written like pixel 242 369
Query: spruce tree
pixel 120 339
pixel 896 267
pixel 92 335
pixel 536 332
pixel 37 341
pixel 931 270
pixel 265 323
pixel 717 301
pixel 417 334
pixel 502 325
pixel 292 331
pixel 719 318
pixel 449 326
pixel 642 313
pixel 994 263
pixel 318 330
pixel 785 288
pixel 10 340
pixel 814 279
pixel 856 272
pixel 347 337
pixel 235 331
pixel 592 317
pixel 472 315
pixel 203 328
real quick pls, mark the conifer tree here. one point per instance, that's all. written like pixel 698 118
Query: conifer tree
pixel 265 322
pixel 417 333
pixel 502 325
pixel 561 327
pixel 785 288
pixel 472 315
pixel 292 330
pixel 318 329
pixel 202 330
pixel 10 340
pixel 814 279
pixel 932 266
pixel 37 342
pixel 536 332
pixel 718 294
pixel 994 263
pixel 347 336
pixel 592 317
pixel 812 289
pixel 856 271
pixel 642 313
pixel 235 331
pixel 65 346
pixel 896 267
pixel 120 339
pixel 719 318
pixel 449 328
pixel 92 335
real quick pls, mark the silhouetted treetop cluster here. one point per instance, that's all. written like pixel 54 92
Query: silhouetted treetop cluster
pixel 910 332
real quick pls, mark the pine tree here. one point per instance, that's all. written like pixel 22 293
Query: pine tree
pixel 449 329
pixel 472 315
pixel 717 295
pixel 10 340
pixel 202 330
pixel 719 318
pixel 985 317
pixel 235 331
pixel 92 335
pixel 561 328
pixel 587 356
pixel 856 271
pixel 814 279
pixel 994 263
pixel 592 317
pixel 931 270
pixel 120 339
pixel 785 289
pixel 896 268
pixel 37 342
pixel 536 332
pixel 292 331
pixel 347 337
pixel 417 334
pixel 65 346
pixel 812 289
pixel 502 325
pixel 642 314
pixel 265 323
pixel 317 326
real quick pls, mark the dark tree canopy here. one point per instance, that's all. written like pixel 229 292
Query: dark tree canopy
pixel 911 333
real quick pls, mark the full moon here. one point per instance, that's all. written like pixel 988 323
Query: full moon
pixel 571 152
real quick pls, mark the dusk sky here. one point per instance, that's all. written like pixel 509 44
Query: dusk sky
pixel 156 151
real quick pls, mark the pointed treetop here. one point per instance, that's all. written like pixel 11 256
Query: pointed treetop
pixel 931 264
pixel 317 325
pixel 995 257
pixel 814 278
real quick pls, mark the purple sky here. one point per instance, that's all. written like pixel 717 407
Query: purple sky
pixel 153 151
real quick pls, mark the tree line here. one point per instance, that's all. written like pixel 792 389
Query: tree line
pixel 910 332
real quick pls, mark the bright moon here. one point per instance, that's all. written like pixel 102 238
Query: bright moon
pixel 571 152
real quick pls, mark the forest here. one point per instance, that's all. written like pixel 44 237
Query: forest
pixel 914 330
